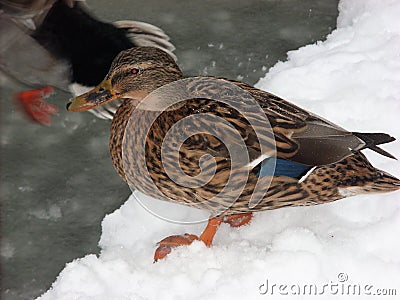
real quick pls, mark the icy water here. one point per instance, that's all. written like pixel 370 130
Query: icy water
pixel 57 183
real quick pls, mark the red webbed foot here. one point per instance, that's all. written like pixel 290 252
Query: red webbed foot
pixel 35 107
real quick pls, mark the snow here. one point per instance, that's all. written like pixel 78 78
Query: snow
pixel 352 79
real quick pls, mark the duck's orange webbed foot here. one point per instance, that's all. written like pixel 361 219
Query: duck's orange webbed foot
pixel 238 219
pixel 165 246
pixel 35 107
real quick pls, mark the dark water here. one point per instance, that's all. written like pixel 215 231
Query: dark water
pixel 57 182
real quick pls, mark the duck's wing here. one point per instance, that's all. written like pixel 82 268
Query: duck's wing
pixel 21 55
pixel 143 34
pixel 29 14
pixel 297 135
pixel 306 138
pixel 24 59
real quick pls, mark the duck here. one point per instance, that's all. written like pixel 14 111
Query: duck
pixel 295 156
pixel 59 44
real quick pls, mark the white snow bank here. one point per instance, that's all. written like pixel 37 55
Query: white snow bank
pixel 353 79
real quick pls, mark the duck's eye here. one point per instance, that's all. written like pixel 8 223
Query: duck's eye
pixel 135 71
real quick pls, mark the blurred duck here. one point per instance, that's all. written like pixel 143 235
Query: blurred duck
pixel 316 161
pixel 49 43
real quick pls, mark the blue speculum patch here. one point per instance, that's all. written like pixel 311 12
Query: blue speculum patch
pixel 283 167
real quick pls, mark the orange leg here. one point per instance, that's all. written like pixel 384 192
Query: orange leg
pixel 165 246
pixel 208 234
pixel 35 107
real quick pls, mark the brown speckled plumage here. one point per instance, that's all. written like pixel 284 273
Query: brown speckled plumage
pixel 340 169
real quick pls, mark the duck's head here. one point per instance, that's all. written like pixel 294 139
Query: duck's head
pixel 134 74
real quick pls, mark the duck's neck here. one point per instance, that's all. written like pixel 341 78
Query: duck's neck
pixel 120 122
pixel 118 126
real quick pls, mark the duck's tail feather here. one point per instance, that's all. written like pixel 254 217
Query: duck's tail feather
pixel 373 139
pixel 362 178
pixel 144 34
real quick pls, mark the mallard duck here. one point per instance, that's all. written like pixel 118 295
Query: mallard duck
pixel 316 161
pixel 59 44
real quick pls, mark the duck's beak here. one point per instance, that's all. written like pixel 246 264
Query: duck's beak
pixel 100 95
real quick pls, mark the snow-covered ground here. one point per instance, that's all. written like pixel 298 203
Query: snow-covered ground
pixel 352 79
